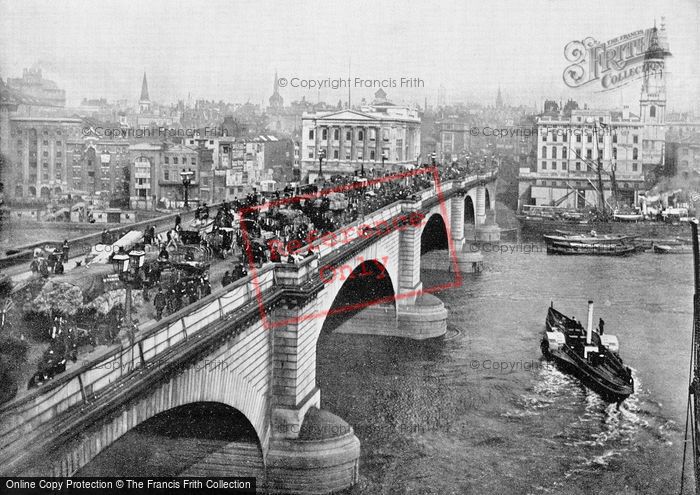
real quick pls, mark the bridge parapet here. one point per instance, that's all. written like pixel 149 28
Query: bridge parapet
pixel 84 384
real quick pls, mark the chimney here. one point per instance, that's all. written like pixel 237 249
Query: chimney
pixel 626 112
pixel 589 328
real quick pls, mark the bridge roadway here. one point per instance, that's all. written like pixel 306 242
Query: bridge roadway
pixel 219 350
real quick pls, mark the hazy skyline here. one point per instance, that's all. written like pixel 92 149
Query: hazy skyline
pixel 230 50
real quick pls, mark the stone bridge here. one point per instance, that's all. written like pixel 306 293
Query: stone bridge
pixel 251 346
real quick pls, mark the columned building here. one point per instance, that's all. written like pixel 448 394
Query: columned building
pixel 378 138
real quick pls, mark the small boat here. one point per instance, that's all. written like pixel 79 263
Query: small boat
pixel 672 248
pixel 628 217
pixel 590 355
pixel 591 244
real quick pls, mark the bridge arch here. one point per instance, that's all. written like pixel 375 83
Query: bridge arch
pixel 470 208
pixel 212 380
pixel 434 234
pixel 182 441
pixel 490 195
pixel 357 286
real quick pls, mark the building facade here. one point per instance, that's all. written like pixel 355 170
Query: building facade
pixel 568 152
pixel 573 143
pixel 155 170
pixel 38 150
pixel 378 137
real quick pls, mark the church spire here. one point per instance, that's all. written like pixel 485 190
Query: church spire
pixel 144 101
pixel 276 100
pixel 144 89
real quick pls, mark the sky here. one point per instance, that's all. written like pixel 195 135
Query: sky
pixel 229 50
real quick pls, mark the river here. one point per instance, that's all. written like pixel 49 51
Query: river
pixel 479 412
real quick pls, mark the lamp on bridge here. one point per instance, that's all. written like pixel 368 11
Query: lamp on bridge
pixel 127 267
pixel 321 156
pixel 186 177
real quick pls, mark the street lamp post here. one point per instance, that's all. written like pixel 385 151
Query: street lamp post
pixel 321 156
pixel 186 177
pixel 127 267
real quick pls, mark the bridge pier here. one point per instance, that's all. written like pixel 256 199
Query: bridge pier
pixel 311 451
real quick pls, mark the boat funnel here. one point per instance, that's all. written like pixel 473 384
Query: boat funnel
pixel 589 328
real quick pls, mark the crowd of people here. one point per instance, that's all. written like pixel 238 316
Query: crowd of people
pixel 258 228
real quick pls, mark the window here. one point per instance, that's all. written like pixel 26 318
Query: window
pixel 174 160
pixel 652 111
pixel 635 154
pixel 554 152
pixel 563 153
pixel 544 136
pixel 589 154
pixel 335 154
pixel 361 135
pixel 45 142
pixel 166 174
pixel 614 153
pixel 58 154
pixel 635 139
pixel 58 143
pixel 324 134
pixel 578 138
pixel 311 133
pixel 589 138
pixel 348 135
pixel 167 160
pixel 554 137
pixel 19 143
pixel 634 167
pixel 563 165
pixel 565 137
pixel 614 138
pixel 554 165
pixel 46 153
pixel 544 152
pixel 336 134
pixel 311 152
pixel 371 154
pixel 347 154
pixel 193 161
pixel 544 165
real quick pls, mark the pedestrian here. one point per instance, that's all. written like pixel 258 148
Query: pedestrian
pixel 226 280
pixel 163 255
pixel 65 248
pixel 159 303
pixel 153 234
pixel 178 220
